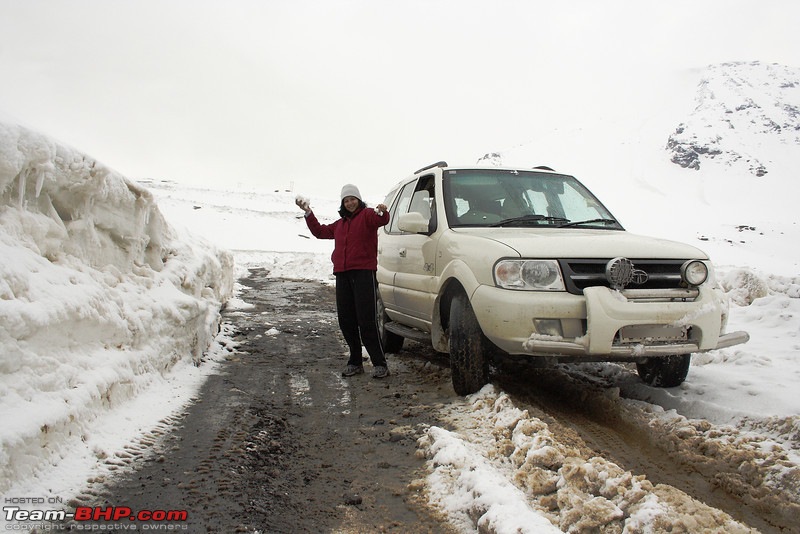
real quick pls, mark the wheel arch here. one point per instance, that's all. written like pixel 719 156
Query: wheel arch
pixel 440 324
pixel 456 277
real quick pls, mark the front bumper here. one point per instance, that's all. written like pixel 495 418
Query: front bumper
pixel 633 352
pixel 507 319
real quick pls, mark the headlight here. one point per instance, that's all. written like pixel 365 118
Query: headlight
pixel 532 275
pixel 694 272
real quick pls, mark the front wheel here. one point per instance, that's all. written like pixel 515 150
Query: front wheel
pixel 468 363
pixel 391 342
pixel 666 371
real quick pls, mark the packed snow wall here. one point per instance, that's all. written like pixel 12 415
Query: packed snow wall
pixel 99 297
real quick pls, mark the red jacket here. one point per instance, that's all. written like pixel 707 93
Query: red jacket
pixel 355 239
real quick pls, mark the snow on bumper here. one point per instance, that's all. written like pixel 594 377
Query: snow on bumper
pixel 508 318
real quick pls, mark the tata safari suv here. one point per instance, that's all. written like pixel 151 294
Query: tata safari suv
pixel 496 262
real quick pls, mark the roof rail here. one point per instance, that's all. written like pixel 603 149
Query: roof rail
pixel 543 168
pixel 432 165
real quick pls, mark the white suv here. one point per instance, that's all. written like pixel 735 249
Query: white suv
pixel 487 262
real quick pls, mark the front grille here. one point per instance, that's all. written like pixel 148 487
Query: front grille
pixel 582 273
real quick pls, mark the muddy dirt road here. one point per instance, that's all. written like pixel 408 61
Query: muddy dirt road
pixel 278 441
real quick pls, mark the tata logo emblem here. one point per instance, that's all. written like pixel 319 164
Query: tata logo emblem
pixel 639 277
pixel 620 273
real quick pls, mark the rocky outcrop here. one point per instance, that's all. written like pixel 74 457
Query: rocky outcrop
pixel 741 109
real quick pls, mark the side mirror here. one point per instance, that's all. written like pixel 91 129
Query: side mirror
pixel 413 222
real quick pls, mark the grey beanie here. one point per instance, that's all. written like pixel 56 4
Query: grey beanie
pixel 350 190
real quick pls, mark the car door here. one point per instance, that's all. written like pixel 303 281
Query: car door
pixel 388 245
pixel 411 257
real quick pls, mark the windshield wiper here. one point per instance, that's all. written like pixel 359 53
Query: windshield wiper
pixel 526 218
pixel 589 221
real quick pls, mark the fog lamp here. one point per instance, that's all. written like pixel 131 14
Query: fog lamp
pixel 548 327
pixel 694 272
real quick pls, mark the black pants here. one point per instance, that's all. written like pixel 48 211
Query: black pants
pixel 356 294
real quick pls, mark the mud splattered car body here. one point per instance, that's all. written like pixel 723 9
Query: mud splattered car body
pixel 499 261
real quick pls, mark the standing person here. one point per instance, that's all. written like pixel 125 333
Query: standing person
pixel 355 261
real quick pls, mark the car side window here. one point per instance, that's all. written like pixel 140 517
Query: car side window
pixel 421 203
pixel 390 198
pixel 400 207
pixel 424 201
pixel 415 197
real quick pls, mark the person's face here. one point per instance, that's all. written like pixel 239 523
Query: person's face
pixel 350 204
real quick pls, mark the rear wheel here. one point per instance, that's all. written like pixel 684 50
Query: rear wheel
pixel 468 362
pixel 665 372
pixel 391 342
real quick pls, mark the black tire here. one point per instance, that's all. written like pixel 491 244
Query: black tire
pixel 391 342
pixel 666 371
pixel 468 362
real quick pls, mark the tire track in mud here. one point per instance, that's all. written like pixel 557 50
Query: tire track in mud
pixel 593 419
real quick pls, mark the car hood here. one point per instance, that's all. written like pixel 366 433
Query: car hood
pixel 585 243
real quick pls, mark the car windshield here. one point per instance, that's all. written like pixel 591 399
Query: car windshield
pixel 504 198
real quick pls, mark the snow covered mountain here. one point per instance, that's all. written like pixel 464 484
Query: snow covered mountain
pixel 746 115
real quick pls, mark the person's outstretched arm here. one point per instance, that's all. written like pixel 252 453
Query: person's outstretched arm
pixel 320 231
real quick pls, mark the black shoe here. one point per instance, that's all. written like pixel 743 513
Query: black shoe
pixel 352 370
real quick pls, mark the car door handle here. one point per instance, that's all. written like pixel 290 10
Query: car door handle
pixel 402 253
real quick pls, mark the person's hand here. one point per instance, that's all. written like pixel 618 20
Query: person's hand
pixel 303 203
pixel 380 209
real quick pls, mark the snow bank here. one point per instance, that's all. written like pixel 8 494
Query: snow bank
pixel 476 493
pixel 99 298
pixel 501 470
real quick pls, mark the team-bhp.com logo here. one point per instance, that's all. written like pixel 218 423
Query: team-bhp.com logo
pixel 84 514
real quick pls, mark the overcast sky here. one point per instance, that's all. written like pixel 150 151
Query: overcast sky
pixel 320 93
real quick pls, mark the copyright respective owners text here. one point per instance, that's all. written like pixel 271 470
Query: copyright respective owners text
pixel 48 514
